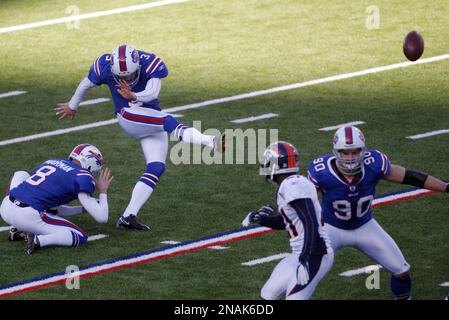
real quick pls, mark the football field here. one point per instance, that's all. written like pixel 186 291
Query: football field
pixel 294 66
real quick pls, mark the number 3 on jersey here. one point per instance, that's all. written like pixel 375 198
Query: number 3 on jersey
pixel 40 175
pixel 345 211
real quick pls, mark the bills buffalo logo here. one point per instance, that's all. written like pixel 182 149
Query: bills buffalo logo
pixel 96 156
pixel 135 56
pixel 361 136
pixel 335 138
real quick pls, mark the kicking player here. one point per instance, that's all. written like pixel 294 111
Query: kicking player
pixel 134 79
pixel 53 184
pixel 348 179
pixel 312 256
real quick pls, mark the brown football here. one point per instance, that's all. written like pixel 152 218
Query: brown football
pixel 413 46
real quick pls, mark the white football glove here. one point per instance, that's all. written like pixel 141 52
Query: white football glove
pixel 302 274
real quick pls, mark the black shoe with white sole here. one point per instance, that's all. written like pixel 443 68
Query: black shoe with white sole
pixel 130 222
pixel 16 235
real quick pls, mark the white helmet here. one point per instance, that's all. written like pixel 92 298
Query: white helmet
pixel 278 158
pixel 125 63
pixel 88 156
pixel 349 138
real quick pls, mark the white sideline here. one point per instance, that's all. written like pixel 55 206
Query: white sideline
pixel 338 126
pixel 11 94
pixel 237 97
pixel 428 134
pixel 367 269
pixel 261 117
pixel 89 15
pixel 265 259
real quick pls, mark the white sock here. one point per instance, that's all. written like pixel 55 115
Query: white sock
pixel 61 238
pixel 141 194
pixel 191 135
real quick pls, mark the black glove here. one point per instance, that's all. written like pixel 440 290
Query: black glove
pixel 256 216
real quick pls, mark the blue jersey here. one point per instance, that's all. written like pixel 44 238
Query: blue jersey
pixel 151 66
pixel 54 183
pixel 348 206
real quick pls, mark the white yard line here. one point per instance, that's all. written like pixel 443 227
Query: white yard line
pixel 444 284
pixel 428 134
pixel 57 132
pixel 265 259
pixel 251 119
pixel 2 229
pixel 177 242
pixel 237 97
pixel 338 126
pixel 90 15
pixel 94 101
pixel 96 237
pixel 11 94
pixel 367 269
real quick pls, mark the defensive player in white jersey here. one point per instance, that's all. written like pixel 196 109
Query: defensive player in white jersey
pixel 53 184
pixel 348 179
pixel 298 205
pixel 134 79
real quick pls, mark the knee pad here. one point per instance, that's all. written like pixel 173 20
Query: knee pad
pixel 152 174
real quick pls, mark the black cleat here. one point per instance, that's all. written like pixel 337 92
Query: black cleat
pixel 32 243
pixel 16 235
pixel 130 222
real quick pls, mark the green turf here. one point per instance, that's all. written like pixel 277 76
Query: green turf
pixel 215 49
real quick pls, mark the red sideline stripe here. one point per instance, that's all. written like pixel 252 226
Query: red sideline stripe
pixel 163 256
pixel 131 116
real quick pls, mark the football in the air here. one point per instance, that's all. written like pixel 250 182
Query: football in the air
pixel 413 46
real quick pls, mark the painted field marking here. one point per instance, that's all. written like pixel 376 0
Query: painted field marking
pixel 177 242
pixel 166 252
pixel 133 260
pixel 2 229
pixel 251 119
pixel 11 94
pixel 90 15
pixel 96 237
pixel 338 126
pixel 428 134
pixel 364 270
pixel 444 284
pixel 94 101
pixel 236 97
pixel 265 259
pixel 58 132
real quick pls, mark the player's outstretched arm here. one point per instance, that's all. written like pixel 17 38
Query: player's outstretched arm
pixel 402 175
pixel 98 210
pixel 68 109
